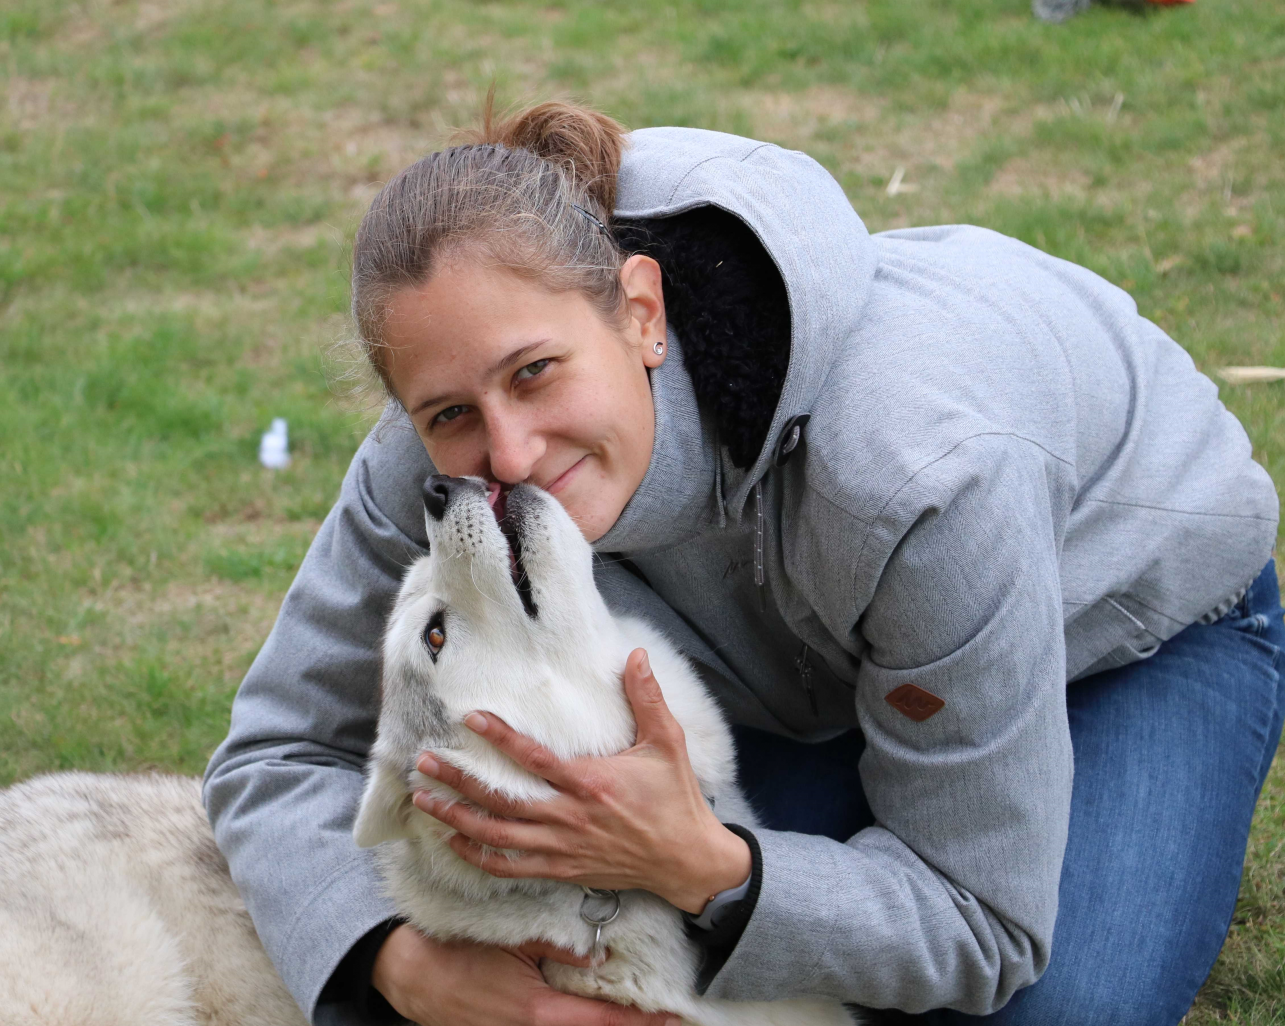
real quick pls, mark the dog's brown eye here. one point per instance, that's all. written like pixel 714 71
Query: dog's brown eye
pixel 435 637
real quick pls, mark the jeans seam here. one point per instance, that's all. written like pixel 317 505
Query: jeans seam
pixel 1269 753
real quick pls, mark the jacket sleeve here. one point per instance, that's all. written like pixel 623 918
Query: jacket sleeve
pixel 949 900
pixel 282 790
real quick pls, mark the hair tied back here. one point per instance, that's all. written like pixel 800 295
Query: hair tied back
pixel 526 190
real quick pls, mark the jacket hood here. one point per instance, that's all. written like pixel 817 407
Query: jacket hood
pixel 803 219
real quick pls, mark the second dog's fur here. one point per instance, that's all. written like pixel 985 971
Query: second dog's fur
pixel 116 909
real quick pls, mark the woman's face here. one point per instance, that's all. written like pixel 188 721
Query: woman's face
pixel 508 381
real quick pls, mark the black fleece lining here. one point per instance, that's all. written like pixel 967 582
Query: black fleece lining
pixel 725 298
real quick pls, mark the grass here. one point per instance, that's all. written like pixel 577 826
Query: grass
pixel 178 182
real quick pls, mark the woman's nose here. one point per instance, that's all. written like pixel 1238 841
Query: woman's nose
pixel 513 447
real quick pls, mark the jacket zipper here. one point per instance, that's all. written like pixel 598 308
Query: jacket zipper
pixel 758 545
pixel 801 662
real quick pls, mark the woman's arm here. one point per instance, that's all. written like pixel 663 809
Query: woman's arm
pixel 949 901
pixel 282 789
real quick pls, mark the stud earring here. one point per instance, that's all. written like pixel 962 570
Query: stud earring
pixel 658 348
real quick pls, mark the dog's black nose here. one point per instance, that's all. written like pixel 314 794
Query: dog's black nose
pixel 438 490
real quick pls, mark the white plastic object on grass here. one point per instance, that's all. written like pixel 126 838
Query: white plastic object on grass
pixel 274 446
pixel 1248 375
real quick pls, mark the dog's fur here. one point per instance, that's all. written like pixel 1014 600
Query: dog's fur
pixel 551 667
pixel 117 909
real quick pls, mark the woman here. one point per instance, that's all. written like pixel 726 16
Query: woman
pixel 932 500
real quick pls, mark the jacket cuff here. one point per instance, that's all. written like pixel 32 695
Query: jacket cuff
pixel 341 910
pixel 756 967
pixel 349 996
pixel 718 944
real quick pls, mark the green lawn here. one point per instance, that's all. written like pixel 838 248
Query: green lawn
pixel 178 182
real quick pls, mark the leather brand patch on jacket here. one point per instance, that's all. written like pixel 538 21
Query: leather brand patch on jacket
pixel 914 702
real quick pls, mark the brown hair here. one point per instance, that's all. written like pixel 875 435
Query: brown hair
pixel 531 190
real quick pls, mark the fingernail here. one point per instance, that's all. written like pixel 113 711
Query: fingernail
pixel 427 765
pixel 423 801
pixel 644 667
pixel 475 721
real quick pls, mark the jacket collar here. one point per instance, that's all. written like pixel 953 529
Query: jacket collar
pixel 681 494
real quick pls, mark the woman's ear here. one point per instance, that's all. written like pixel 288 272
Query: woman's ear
pixel 645 298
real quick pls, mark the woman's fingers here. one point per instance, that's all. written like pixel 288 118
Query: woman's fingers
pixel 470 787
pixel 498 864
pixel 496 832
pixel 529 754
pixel 656 724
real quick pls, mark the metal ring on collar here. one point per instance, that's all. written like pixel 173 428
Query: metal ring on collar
pixel 595 892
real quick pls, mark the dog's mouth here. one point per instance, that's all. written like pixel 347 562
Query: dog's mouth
pixel 498 499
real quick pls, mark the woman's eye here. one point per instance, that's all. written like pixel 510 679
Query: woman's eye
pixel 434 638
pixel 449 414
pixel 531 370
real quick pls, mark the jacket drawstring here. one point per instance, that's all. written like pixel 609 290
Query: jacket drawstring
pixel 758 545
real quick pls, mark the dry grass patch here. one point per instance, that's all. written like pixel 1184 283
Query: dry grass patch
pixel 218 623
pixel 355 145
pixel 864 138
pixel 37 103
pixel 278 239
pixel 1234 175
pixel 1025 176
pixel 796 118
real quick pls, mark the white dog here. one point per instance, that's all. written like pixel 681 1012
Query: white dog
pixel 503 615
pixel 117 909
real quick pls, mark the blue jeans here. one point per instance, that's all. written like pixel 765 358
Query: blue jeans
pixel 1170 755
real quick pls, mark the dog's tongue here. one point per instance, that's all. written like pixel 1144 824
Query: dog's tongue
pixel 497 499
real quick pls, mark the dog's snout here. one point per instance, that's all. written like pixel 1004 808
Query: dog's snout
pixel 438 491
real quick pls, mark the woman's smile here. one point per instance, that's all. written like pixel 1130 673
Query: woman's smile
pixel 566 477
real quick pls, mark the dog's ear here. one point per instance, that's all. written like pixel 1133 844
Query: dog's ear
pixel 384 807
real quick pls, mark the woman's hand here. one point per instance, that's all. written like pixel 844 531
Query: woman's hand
pixel 435 983
pixel 633 820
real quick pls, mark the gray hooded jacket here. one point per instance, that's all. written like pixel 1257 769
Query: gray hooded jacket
pixel 1009 480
